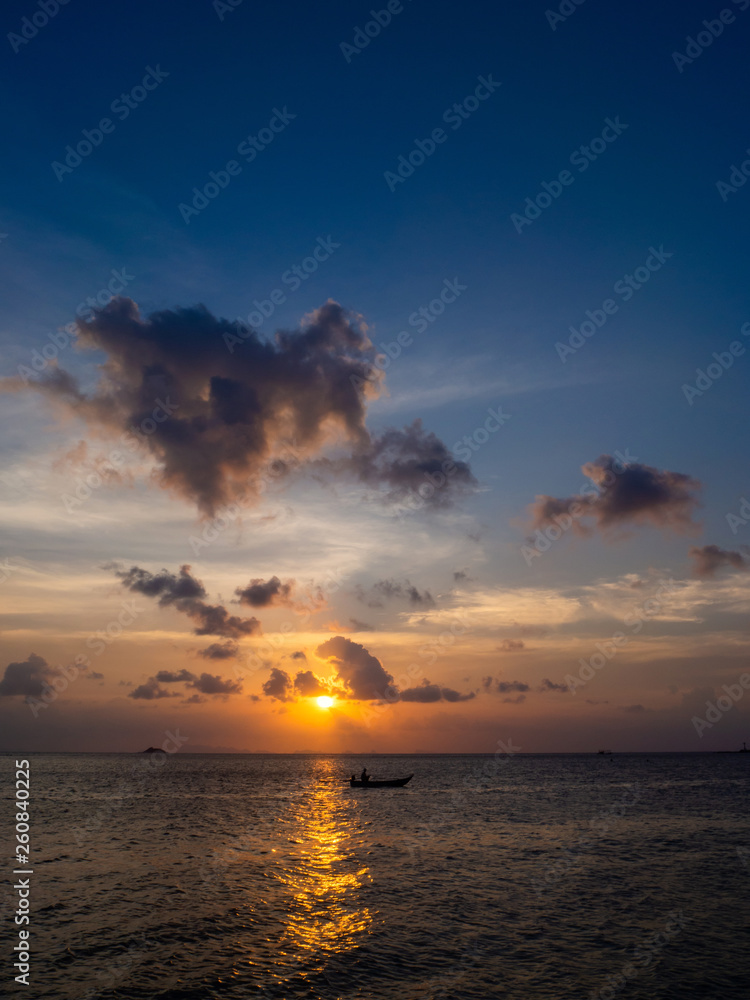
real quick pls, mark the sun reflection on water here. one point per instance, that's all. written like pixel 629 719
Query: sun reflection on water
pixel 323 873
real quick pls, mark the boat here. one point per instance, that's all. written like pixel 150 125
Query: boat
pixel 393 783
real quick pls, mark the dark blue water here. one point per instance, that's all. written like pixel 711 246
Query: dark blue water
pixel 198 877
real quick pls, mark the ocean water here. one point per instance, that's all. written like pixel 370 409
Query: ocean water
pixel 193 877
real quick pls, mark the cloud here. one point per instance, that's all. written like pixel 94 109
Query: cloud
pixel 205 684
pixel 511 645
pixel 213 684
pixel 174 677
pixel 358 626
pixel 548 685
pixel 299 655
pixel 710 558
pixel 424 692
pixel 220 651
pixel 185 593
pixel 360 673
pixel 460 576
pixel 150 691
pixel 450 695
pixel 307 685
pixel 261 594
pixel 622 494
pixel 388 590
pixel 223 411
pixel 278 685
pixel 428 693
pixel 503 687
pixel 29 678
pixel 415 465
pixel 93 675
pixel 635 709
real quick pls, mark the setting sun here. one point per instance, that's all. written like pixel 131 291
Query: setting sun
pixel 324 701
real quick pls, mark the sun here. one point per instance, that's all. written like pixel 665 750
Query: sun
pixel 324 701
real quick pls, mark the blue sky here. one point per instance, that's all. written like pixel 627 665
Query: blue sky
pixel 226 74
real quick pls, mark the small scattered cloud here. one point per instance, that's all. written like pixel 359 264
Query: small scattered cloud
pixel 548 685
pixel 185 593
pixel 279 685
pixel 708 559
pixel 150 691
pixel 28 678
pixel 220 651
pixel 390 590
pixel 504 687
pixel 358 626
pixel 511 646
pixel 265 593
pixel 622 494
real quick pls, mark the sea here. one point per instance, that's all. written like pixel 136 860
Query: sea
pixel 528 877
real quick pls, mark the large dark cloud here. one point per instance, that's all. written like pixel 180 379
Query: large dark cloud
pixel 262 593
pixel 224 412
pixel 622 494
pixel 361 674
pixel 186 594
pixel 710 558
pixel 29 678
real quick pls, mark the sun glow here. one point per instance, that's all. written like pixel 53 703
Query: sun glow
pixel 324 701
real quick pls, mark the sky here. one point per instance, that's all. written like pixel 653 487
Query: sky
pixel 391 355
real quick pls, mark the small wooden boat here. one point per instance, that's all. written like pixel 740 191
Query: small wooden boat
pixel 393 783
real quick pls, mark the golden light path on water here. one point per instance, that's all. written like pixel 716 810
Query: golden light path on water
pixel 322 871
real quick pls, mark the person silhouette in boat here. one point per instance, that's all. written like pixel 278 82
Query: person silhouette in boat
pixel 364 777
